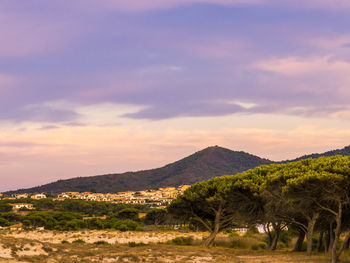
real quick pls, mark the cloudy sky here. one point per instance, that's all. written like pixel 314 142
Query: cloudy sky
pixel 98 86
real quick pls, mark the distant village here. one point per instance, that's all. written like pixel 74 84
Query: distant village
pixel 155 198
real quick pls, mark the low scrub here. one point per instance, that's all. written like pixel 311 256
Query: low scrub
pixel 183 241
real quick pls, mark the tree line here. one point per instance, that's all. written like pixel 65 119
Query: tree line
pixel 310 196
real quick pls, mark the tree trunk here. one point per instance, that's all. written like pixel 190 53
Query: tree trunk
pixel 347 244
pixel 327 241
pixel 343 245
pixel 310 232
pixel 267 230
pixel 320 241
pixel 337 232
pixel 331 237
pixel 275 240
pixel 210 239
pixel 299 244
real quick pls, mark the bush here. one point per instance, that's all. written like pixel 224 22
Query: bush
pixel 64 242
pixel 183 241
pixel 4 222
pixel 242 242
pixel 253 230
pixel 178 241
pixel 286 237
pixel 128 213
pixel 234 234
pixel 139 228
pixel 134 244
pixel 281 245
pixel 78 241
pixel 254 247
pixel 101 242
pixel 227 231
pixel 262 245
pixel 122 227
pixel 248 234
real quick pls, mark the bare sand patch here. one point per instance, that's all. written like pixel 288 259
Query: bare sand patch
pixel 5 253
pixel 92 236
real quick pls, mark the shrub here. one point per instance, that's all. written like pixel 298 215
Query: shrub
pixel 178 241
pixel 223 241
pixel 262 245
pixel 254 247
pixel 286 237
pixel 253 230
pixel 78 241
pixel 134 244
pixel 128 213
pixel 242 242
pixel 227 231
pixel 122 227
pixel 281 245
pixel 234 234
pixel 183 241
pixel 248 234
pixel 101 242
pixel 139 228
pixel 64 242
pixel 4 222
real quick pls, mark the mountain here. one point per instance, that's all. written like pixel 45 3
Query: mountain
pixel 344 152
pixel 202 165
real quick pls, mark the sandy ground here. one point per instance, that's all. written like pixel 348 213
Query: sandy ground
pixel 47 246
pixel 91 236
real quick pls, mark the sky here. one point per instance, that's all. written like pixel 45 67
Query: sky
pixel 92 87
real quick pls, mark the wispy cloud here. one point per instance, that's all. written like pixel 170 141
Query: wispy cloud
pixel 146 5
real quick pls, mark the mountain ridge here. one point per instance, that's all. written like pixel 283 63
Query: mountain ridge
pixel 202 165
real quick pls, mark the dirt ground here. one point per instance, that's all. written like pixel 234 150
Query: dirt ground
pixel 114 246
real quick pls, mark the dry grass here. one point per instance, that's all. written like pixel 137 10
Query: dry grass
pixel 15 249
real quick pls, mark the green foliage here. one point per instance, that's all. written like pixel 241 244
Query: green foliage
pixel 286 237
pixel 263 245
pixel 140 229
pixel 242 242
pixel 128 213
pixel 248 234
pixel 253 230
pixel 101 242
pixel 234 234
pixel 185 241
pixel 156 217
pixel 78 241
pixel 5 207
pixel 4 222
pixel 281 245
pixel 134 244
pixel 254 247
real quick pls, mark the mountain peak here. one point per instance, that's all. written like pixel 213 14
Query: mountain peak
pixel 202 165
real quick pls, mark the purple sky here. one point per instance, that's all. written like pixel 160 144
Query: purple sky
pixel 99 86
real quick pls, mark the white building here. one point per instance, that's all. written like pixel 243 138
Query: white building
pixel 38 196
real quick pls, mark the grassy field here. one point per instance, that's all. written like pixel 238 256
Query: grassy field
pixel 14 248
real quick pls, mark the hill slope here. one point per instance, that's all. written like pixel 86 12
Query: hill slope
pixel 344 152
pixel 205 164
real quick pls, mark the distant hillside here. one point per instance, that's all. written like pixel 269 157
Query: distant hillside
pixel 203 165
pixel 344 152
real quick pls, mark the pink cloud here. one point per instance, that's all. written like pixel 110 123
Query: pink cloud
pixel 23 35
pixel 144 5
pixel 293 66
